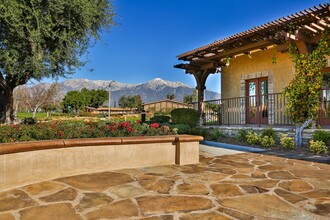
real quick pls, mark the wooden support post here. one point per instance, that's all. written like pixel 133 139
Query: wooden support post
pixel 201 103
pixel 177 151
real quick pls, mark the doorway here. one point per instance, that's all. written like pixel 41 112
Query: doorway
pixel 257 101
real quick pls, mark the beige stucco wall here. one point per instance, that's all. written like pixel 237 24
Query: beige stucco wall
pixel 165 106
pixel 243 67
pixel 23 168
pixel 189 153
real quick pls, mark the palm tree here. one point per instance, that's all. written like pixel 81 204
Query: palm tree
pixel 170 96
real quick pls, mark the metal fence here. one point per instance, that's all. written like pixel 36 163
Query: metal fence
pixel 259 110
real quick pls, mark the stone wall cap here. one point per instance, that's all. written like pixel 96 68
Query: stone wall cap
pixel 17 147
pixel 189 138
pixel 91 141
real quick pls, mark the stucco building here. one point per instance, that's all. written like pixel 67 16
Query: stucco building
pixel 163 106
pixel 255 67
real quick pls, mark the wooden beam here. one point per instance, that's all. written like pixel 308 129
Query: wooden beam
pixel 317 38
pixel 187 66
pixel 290 37
pixel 311 29
pixel 317 26
pixel 210 66
pixel 326 70
pixel 302 47
pixel 282 48
pixel 322 22
pixel 243 49
pixel 205 60
pixel 301 36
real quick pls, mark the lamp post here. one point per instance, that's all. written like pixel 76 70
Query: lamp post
pixel 110 97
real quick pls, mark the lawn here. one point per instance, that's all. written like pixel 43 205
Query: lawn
pixel 66 116
pixel 22 115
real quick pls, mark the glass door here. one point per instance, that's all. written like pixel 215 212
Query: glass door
pixel 324 111
pixel 257 101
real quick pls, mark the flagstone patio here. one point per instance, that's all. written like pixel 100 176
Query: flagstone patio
pixel 239 186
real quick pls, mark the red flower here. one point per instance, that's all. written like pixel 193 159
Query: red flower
pixel 53 126
pixel 166 128
pixel 154 125
pixel 130 129
pixel 124 125
pixel 112 128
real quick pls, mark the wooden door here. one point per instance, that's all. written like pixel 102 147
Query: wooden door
pixel 324 111
pixel 257 101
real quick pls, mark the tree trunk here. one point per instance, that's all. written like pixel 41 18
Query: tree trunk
pixel 16 110
pixel 6 106
pixel 299 130
pixel 34 112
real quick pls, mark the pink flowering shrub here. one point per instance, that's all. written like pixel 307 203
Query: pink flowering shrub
pixel 71 130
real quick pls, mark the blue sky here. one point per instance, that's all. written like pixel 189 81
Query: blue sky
pixel 151 33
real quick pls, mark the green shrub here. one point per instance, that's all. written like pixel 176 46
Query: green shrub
pixel 267 141
pixel 322 136
pixel 181 128
pixel 253 138
pixel 185 116
pixel 287 142
pixel 199 131
pixel 216 134
pixel 318 147
pixel 270 132
pixel 241 135
pixel 160 119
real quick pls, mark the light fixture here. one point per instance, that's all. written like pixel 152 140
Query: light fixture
pixel 227 62
pixel 109 98
pixel 249 55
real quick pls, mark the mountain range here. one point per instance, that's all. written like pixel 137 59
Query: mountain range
pixel 150 91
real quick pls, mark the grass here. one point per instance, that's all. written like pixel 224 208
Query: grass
pixel 22 115
pixel 66 116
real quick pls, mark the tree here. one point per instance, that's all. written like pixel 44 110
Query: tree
pixel 190 98
pixel 84 98
pixel 302 92
pixel 49 107
pixel 170 96
pixel 131 102
pixel 74 100
pixel 98 97
pixel 40 95
pixel 20 96
pixel 41 38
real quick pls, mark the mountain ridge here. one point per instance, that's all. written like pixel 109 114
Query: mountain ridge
pixel 153 90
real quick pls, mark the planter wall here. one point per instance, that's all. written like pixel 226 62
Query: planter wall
pixel 29 162
pixel 232 131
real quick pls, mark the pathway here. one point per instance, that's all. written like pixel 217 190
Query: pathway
pixel 236 186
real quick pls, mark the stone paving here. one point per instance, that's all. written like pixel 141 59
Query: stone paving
pixel 240 186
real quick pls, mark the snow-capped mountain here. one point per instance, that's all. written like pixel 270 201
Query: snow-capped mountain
pixel 153 90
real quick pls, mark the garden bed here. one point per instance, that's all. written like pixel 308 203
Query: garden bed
pixel 298 150
pixel 29 162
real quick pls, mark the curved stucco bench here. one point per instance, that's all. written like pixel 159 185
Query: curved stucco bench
pixel 24 163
